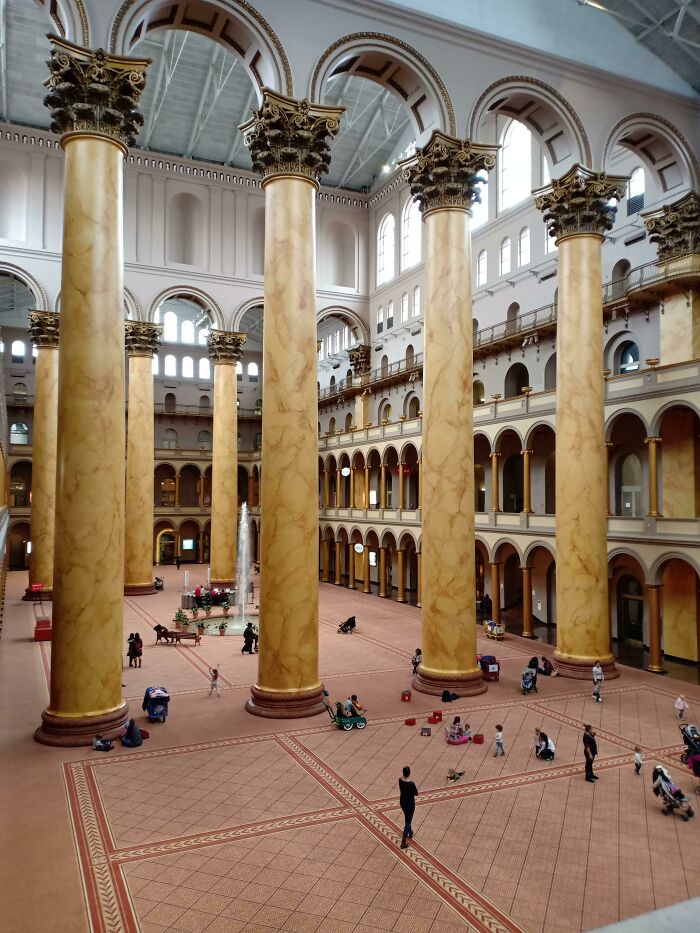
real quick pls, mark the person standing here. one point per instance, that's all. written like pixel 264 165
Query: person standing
pixel 214 674
pixel 681 705
pixel 407 799
pixel 637 759
pixel 131 650
pixel 138 648
pixel 590 750
pixel 178 561
pixel 597 674
pixel 486 606
pixel 248 639
pixel 417 659
pixel 499 741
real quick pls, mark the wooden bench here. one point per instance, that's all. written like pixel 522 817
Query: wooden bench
pixel 186 636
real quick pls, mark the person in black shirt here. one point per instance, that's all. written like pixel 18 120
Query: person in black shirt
pixel 408 792
pixel 590 750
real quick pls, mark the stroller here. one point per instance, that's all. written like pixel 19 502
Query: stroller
pixel 347 627
pixel 159 583
pixel 155 703
pixel 529 681
pixel 671 796
pixel 691 737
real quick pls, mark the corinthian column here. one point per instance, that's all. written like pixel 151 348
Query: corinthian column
pixel 577 210
pixel 92 96
pixel 225 350
pixel 141 344
pixel 43 329
pixel 444 177
pixel 288 140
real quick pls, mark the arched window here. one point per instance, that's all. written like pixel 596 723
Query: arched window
pixel 348 422
pixel 410 235
pixel 19 390
pixel 336 342
pixel 516 379
pixel 346 337
pixel 410 356
pixel 478 390
pixel 504 257
pixel 416 301
pixel 385 249
pixel 253 372
pixel 170 327
pixel 384 412
pixel 389 314
pixel 630 486
pixel 239 370
pixel 204 403
pixel 187 367
pixel 170 401
pixel 204 440
pixel 18 351
pixel 380 319
pixel 635 191
pixel 170 365
pixel 187 332
pixel 170 438
pixel 480 209
pixel 482 268
pixel 524 247
pixel 404 307
pixel 515 160
pixel 154 364
pixel 19 433
pixel 204 368
pixel 627 358
pixel 385 365
pixel 331 426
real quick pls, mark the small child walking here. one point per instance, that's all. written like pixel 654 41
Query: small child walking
pixel 499 741
pixel 681 705
pixel 637 760
pixel 214 674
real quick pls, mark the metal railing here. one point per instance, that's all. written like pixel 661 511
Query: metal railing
pixel 374 375
pixel 161 408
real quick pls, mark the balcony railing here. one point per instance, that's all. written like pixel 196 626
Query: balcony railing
pixel 374 376
pixel 161 408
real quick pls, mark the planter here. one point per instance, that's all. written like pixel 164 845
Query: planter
pixel 200 629
pixel 222 630
pixel 178 626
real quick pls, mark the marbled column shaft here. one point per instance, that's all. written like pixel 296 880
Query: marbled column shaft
pixel 448 564
pixel 338 567
pixel 138 544
pixel 654 608
pixel 224 481
pixel 527 602
pixel 87 640
pixel 495 591
pixel 44 469
pixel 288 682
pixel 583 631
pixel 382 571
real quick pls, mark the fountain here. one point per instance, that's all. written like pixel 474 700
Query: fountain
pixel 243 564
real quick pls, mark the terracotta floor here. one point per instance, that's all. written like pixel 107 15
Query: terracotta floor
pixel 223 822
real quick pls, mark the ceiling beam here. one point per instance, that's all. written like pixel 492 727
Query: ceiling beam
pixel 202 115
pixel 237 141
pixel 166 72
pixel 3 59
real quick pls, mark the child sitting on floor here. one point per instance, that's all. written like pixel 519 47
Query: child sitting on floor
pixel 453 775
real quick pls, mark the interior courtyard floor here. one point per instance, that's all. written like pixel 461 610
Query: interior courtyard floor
pixel 223 822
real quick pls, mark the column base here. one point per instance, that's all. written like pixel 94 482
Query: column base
pixel 580 669
pixel 530 635
pixel 272 705
pixel 223 584
pixel 34 596
pixel 139 589
pixel 64 732
pixel 465 685
pixel 656 670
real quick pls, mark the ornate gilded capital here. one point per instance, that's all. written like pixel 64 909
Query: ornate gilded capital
pixel 44 327
pixel 676 227
pixel 225 346
pixel 445 172
pixel 579 202
pixel 94 92
pixel 360 359
pixel 291 137
pixel 142 338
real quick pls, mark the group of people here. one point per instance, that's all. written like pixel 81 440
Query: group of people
pixel 132 737
pixel 353 707
pixel 134 649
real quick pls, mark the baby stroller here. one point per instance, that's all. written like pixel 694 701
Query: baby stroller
pixel 691 737
pixel 155 703
pixel 159 583
pixel 671 796
pixel 347 627
pixel 529 681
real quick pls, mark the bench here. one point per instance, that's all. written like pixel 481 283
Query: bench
pixel 186 636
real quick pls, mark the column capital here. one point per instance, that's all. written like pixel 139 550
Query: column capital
pixel 652 440
pixel 359 357
pixel 445 173
pixel 526 450
pixel 291 137
pixel 92 91
pixel 654 586
pixel 142 338
pixel 496 453
pixel 225 346
pixel 675 228
pixel 44 327
pixel 579 202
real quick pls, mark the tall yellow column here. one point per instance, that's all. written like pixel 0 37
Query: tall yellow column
pixel 141 344
pixel 225 349
pixel 325 561
pixel 338 567
pixel 656 662
pixel 326 489
pixel 577 210
pixel 43 329
pixel 352 487
pixel 419 589
pixel 87 646
pixel 382 487
pixel 366 588
pixel 402 498
pixel 366 487
pixel 495 591
pixel 527 602
pixel 608 449
pixel 527 485
pixel 351 566
pixel 495 490
pixel 401 588
pixel 653 445
pixel 382 571
pixel 444 179
pixel 288 140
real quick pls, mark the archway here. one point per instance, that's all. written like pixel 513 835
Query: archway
pixel 164 543
pixel 20 484
pixel 189 484
pixel 165 486
pixel 19 546
pixel 516 379
pixel 189 542
pixel 509 446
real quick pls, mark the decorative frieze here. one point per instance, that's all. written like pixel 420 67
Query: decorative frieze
pixel 291 137
pixel 94 92
pixel 581 202
pixel 142 338
pixel 44 328
pixel 676 227
pixel 447 172
pixel 225 346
